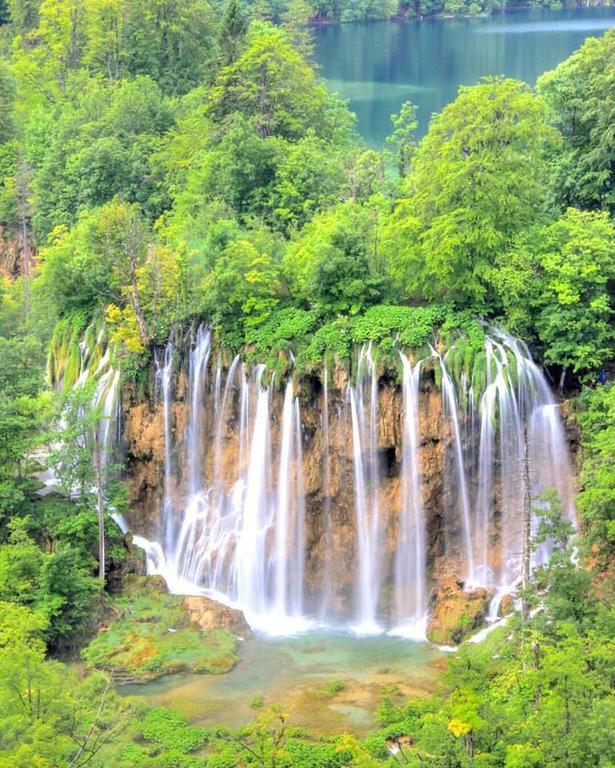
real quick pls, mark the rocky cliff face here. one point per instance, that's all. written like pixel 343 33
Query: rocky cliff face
pixel 11 254
pixel 328 476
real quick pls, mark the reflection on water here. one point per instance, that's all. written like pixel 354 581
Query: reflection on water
pixel 298 673
pixel 379 65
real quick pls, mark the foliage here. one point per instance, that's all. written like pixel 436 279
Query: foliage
pixel 575 316
pixel 335 265
pixel 171 729
pixel 580 96
pixel 596 499
pixel 23 412
pixel 413 327
pixel 556 283
pixel 402 140
pixel 477 181
pixel 47 716
pixel 273 88
pixel 285 329
pixel 98 148
pixel 178 161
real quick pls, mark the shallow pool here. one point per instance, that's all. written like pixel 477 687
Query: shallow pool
pixel 326 682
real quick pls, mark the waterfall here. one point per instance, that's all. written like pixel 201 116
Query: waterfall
pixel 516 400
pixel 251 552
pixel 366 474
pixel 283 509
pixel 236 524
pixel 449 399
pixel 198 368
pixel 220 424
pixel 484 505
pixel 164 372
pixel 411 557
pixel 298 566
pixel 96 367
pixel 326 497
pixel 548 454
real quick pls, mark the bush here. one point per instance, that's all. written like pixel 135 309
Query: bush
pixel 172 730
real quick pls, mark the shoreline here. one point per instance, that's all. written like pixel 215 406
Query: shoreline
pixel 403 18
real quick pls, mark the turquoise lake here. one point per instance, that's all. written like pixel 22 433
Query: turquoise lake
pixel 379 65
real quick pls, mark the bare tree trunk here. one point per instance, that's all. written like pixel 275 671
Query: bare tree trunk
pixel 527 527
pixel 25 249
pixel 133 247
pixel 136 305
pixel 562 378
pixel 100 511
pixel 22 189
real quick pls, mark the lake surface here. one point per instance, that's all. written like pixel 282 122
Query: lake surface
pixel 326 682
pixel 379 65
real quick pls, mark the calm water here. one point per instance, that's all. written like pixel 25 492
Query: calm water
pixel 326 682
pixel 379 65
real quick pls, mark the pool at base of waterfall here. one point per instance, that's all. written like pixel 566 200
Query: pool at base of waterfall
pixel 326 682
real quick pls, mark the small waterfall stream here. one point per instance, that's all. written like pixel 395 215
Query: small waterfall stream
pixel 164 370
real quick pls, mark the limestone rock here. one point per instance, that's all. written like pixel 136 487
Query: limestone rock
pixel 454 612
pixel 209 614
pixel 507 605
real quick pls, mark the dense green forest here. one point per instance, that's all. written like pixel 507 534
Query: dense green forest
pixel 171 161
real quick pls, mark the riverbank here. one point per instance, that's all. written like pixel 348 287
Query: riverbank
pixel 418 11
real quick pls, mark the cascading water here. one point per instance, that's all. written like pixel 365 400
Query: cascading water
pixel 364 419
pixel 256 514
pixel 411 555
pixel 96 367
pixel 198 369
pixel 164 371
pixel 239 523
pixel 450 402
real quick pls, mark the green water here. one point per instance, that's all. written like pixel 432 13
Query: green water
pixel 379 65
pixel 297 672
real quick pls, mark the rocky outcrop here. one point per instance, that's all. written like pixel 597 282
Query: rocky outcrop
pixel 132 564
pixel 149 633
pixel 208 614
pixel 507 605
pixel 455 613
pixel 11 254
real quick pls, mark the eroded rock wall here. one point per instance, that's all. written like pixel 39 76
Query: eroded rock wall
pixel 330 517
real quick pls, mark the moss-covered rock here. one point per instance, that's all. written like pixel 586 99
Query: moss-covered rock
pixel 149 633
pixel 455 613
pixel 208 614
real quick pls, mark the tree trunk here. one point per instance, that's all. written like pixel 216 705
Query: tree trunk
pixel 22 189
pixel 562 378
pixel 527 527
pixel 100 512
pixel 25 246
pixel 136 305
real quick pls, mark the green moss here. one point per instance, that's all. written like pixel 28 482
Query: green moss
pixel 331 689
pixel 286 329
pixel 411 326
pixel 151 635
pixel 331 343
